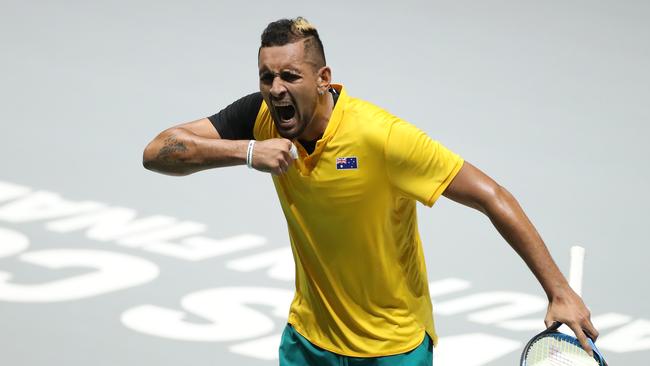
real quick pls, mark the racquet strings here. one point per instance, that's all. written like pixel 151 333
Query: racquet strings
pixel 552 351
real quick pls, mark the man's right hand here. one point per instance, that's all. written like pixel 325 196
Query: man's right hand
pixel 273 155
pixel 194 146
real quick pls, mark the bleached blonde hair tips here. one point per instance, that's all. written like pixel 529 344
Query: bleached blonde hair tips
pixel 302 25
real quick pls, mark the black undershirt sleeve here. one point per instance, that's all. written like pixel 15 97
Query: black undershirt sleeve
pixel 236 121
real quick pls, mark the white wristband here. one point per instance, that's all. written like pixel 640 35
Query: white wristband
pixel 249 154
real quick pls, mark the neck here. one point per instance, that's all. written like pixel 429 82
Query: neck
pixel 317 126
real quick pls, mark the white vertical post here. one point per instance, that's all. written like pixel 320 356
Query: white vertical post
pixel 576 266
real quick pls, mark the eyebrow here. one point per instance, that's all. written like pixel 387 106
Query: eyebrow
pixel 265 71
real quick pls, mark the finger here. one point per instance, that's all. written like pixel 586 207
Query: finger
pixel 288 161
pixel 282 167
pixel 276 169
pixel 548 321
pixel 590 330
pixel 582 338
pixel 553 325
pixel 288 156
pixel 287 146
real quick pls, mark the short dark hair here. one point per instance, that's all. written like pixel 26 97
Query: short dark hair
pixel 285 31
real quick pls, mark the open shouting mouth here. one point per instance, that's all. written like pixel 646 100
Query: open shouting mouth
pixel 285 112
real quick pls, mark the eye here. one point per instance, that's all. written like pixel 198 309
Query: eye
pixel 289 76
pixel 266 78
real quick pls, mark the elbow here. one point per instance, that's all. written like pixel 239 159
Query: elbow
pixel 497 199
pixel 161 159
pixel 147 160
pixel 497 191
pixel 159 166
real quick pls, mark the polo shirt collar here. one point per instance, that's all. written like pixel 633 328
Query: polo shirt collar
pixel 307 162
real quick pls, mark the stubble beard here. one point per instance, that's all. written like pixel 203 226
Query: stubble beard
pixel 287 134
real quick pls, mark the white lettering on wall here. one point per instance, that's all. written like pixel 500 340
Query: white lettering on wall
pixel 609 320
pixel 230 318
pixel 112 272
pixel 265 348
pixel 515 304
pixel 9 191
pixel 278 261
pixel 629 338
pixel 198 248
pixel 447 286
pixel 474 349
pixel 12 242
pixel 43 205
pixel 163 235
pixel 110 224
pixel 108 271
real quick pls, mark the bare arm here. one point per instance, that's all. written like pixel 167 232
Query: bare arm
pixel 473 188
pixel 192 147
pixel 195 146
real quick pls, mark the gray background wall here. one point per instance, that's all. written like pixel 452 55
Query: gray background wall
pixel 549 98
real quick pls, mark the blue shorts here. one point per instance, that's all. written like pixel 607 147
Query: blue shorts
pixel 295 350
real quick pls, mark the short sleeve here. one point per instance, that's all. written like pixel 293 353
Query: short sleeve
pixel 418 166
pixel 236 121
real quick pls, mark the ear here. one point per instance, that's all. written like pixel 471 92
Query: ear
pixel 324 77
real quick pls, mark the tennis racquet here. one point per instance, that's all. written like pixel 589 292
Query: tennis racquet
pixel 554 348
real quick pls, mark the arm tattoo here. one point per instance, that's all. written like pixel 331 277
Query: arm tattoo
pixel 172 145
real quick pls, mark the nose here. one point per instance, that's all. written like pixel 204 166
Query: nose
pixel 277 88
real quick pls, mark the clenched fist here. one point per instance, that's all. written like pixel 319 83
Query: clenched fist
pixel 274 155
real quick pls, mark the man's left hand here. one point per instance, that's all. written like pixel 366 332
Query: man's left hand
pixel 568 308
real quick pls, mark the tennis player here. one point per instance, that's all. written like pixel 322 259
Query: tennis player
pixel 349 195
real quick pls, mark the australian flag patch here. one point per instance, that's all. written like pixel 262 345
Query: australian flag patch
pixel 346 163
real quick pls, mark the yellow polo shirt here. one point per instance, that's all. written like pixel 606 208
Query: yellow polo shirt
pixel 361 280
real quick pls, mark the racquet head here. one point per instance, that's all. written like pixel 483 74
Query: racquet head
pixel 552 348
